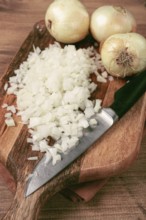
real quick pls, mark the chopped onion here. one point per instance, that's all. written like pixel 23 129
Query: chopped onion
pixel 97 105
pixel 6 86
pixel 11 108
pixel 8 115
pixel 5 105
pixel 53 97
pixel 29 140
pixel 32 158
pixel 93 122
pixel 10 122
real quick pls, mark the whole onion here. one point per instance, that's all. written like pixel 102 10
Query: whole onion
pixel 108 20
pixel 67 20
pixel 124 54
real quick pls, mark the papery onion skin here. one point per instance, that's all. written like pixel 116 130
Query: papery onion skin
pixel 124 54
pixel 108 20
pixel 67 20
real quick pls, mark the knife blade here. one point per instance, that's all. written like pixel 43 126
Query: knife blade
pixel 124 99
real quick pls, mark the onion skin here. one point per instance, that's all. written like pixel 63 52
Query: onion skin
pixel 108 20
pixel 67 20
pixel 124 54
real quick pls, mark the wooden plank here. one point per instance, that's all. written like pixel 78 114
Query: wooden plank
pixel 17 19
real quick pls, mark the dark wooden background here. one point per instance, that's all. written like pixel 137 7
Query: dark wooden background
pixel 124 196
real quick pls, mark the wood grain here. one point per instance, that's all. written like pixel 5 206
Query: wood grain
pixel 118 139
pixel 14 153
pixel 17 29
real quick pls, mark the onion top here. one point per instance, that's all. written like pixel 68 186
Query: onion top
pixel 67 20
pixel 108 20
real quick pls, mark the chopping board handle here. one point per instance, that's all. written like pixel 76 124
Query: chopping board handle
pixel 27 208
pixel 23 208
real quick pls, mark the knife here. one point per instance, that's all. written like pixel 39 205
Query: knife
pixel 124 99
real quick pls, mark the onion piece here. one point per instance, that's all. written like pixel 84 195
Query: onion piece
pixel 5 105
pixel 10 122
pixel 8 115
pixel 32 158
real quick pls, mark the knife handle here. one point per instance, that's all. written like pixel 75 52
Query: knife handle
pixel 127 95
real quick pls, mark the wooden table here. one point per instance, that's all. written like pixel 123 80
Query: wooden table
pixel 124 197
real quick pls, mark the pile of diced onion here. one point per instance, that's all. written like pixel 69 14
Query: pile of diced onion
pixel 53 89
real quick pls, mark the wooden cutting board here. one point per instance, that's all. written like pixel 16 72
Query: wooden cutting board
pixel 110 155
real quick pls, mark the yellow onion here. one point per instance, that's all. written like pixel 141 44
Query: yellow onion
pixel 108 20
pixel 67 20
pixel 124 54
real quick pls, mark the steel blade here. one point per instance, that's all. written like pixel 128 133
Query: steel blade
pixel 46 171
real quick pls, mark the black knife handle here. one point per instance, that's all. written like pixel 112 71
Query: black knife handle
pixel 127 95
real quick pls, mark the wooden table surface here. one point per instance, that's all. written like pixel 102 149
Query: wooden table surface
pixel 124 196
